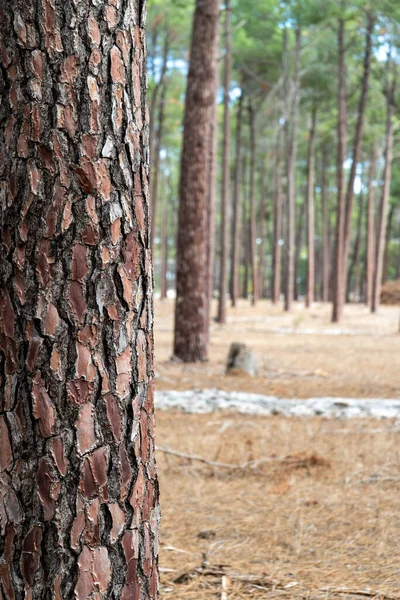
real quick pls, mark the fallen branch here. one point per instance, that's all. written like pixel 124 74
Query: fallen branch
pixel 195 458
pixel 224 588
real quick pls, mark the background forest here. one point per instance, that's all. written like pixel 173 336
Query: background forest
pixel 295 70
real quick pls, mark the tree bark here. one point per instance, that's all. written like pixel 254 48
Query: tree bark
pixel 226 170
pixel 164 244
pixel 357 148
pixel 155 171
pixel 253 228
pixel 338 297
pixel 192 286
pixel 355 267
pixel 387 177
pixel 291 144
pixel 236 206
pixel 310 213
pixel 301 225
pixel 263 236
pixel 386 256
pixel 371 235
pixel 78 483
pixel 277 252
pixel 326 248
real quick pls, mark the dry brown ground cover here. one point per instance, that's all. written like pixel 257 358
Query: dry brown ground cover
pixel 316 515
pixel 300 354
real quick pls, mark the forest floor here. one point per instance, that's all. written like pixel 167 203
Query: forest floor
pixel 311 511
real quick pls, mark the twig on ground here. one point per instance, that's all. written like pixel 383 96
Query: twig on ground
pixel 363 593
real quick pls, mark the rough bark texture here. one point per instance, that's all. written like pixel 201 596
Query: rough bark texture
pixel 236 206
pixel 310 214
pixel 78 486
pixel 253 228
pixel 387 177
pixel 291 148
pixel 226 171
pixel 326 249
pixel 277 252
pixel 192 302
pixel 338 296
pixel 371 235
pixel 357 147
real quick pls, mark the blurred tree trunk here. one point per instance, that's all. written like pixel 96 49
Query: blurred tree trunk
pixel 154 152
pixel 357 148
pixel 277 250
pixel 78 483
pixel 253 228
pixel 291 150
pixel 355 267
pixel 387 177
pixel 192 281
pixel 338 297
pixel 371 232
pixel 326 246
pixel 310 213
pixel 301 225
pixel 386 255
pixel 263 235
pixel 164 242
pixel 155 171
pixel 236 206
pixel 226 170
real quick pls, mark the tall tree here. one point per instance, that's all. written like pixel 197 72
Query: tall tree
pixel 226 170
pixel 357 146
pixel 371 235
pixel 390 91
pixel 338 297
pixel 310 212
pixel 326 250
pixel 78 483
pixel 192 286
pixel 277 251
pixel 235 260
pixel 155 171
pixel 291 151
pixel 253 228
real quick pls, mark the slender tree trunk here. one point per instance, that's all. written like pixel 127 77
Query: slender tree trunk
pixel 310 213
pixel 326 247
pixel 156 165
pixel 277 252
pixel 192 285
pixel 212 197
pixel 253 228
pixel 300 220
pixel 357 148
pixel 236 206
pixel 386 255
pixel 263 235
pixel 78 483
pixel 291 179
pixel 387 177
pixel 338 296
pixel 164 243
pixel 371 235
pixel 226 171
pixel 355 268
pixel 153 129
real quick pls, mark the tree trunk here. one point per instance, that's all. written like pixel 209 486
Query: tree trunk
pixel 355 268
pixel 386 255
pixel 226 171
pixel 78 483
pixel 310 214
pixel 192 285
pixel 326 247
pixel 277 251
pixel 338 297
pixel 253 228
pixel 236 206
pixel 371 235
pixel 299 243
pixel 164 243
pixel 357 148
pixel 291 178
pixel 155 171
pixel 387 177
pixel 263 235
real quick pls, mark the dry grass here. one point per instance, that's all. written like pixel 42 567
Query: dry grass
pixel 331 522
pixel 300 354
pixel 298 528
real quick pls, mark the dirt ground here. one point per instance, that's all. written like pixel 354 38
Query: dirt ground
pixel 312 510
pixel 300 355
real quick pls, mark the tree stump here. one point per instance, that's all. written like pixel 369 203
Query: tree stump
pixel 241 361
